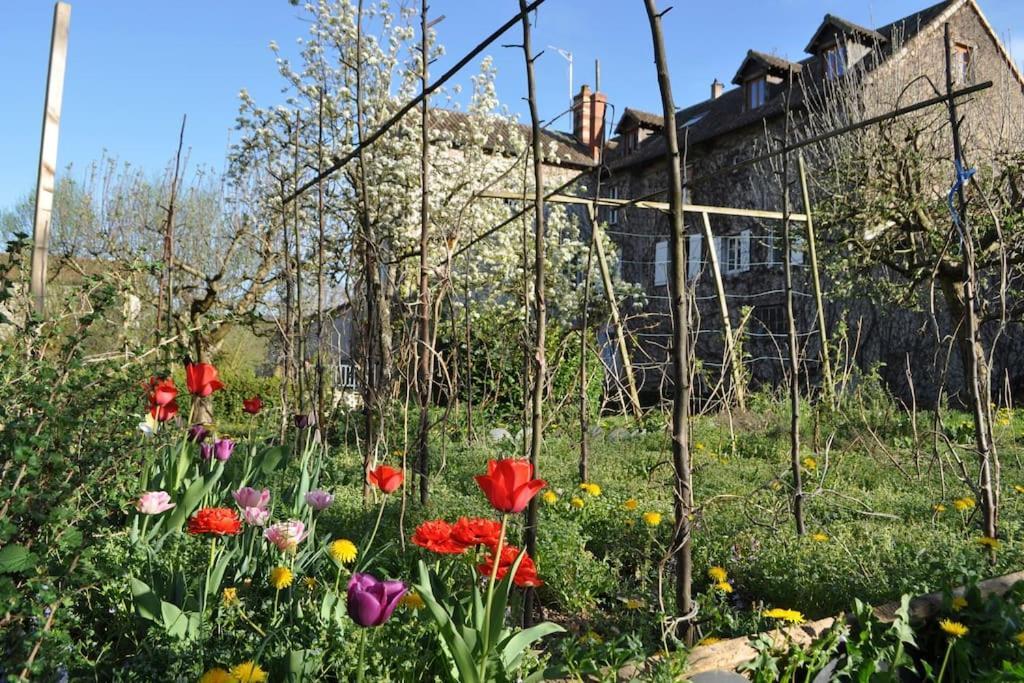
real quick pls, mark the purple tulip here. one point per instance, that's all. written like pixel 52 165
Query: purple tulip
pixel 222 449
pixel 206 450
pixel 371 601
pixel 303 421
pixel 319 500
pixel 248 497
pixel 197 433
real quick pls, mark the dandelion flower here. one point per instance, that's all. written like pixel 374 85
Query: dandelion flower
pixel 1019 638
pixel 229 596
pixel 938 508
pixel 249 672
pixel 576 502
pixel 724 586
pixel 988 542
pixel 281 577
pixel 790 615
pixel 959 602
pixel 964 504
pixel 591 489
pixel 549 497
pixel 810 464
pixel 342 551
pixel 592 638
pixel 953 629
pixel 652 519
pixel 633 603
pixel 819 536
pixel 412 600
pixel 1018 488
pixel 217 675
pixel 709 640
pixel 310 583
pixel 717 574
pixel 630 504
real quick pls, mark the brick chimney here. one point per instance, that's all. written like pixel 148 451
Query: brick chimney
pixel 588 110
pixel 717 88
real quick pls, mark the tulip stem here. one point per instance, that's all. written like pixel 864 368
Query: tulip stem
pixel 365 552
pixel 360 674
pixel 495 561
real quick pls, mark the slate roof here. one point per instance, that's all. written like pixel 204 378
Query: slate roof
pixel 844 26
pixel 644 118
pixel 727 113
pixel 772 63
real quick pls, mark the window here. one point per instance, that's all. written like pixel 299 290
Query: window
pixel 756 92
pixel 773 318
pixel 835 61
pixel 693 256
pixel 962 63
pixel 661 263
pixel 734 252
pixel 613 212
pixel 632 140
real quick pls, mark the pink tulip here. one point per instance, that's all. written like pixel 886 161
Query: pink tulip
pixel 248 497
pixel 153 503
pixel 319 500
pixel 286 535
pixel 256 516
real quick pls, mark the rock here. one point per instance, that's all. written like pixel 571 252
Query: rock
pixel 618 434
pixel 596 432
pixel 498 435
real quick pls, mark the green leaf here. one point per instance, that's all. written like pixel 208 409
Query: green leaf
pixel 15 558
pixel 193 496
pixel 512 648
pixel 456 647
pixel 147 603
pixel 269 459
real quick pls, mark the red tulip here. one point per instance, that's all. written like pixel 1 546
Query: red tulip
pixel 252 405
pixel 387 479
pixel 526 574
pixel 509 485
pixel 436 536
pixel 161 390
pixel 202 379
pixel 163 413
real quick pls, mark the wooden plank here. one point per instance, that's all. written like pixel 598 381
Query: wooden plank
pixel 731 355
pixel 656 206
pixel 48 152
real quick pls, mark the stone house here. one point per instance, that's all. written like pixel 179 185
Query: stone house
pixel 732 125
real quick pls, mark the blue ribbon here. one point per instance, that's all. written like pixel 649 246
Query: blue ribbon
pixel 962 176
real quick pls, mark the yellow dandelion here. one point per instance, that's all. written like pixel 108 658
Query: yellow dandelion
pixel 964 504
pixel 810 464
pixel 633 603
pixel 959 602
pixel 1019 638
pixel 699 446
pixel 790 615
pixel 717 573
pixel 592 638
pixel 953 629
pixel 988 542
pixel 775 485
pixel 724 586
pixel 576 502
pixel 550 497
pixel 217 675
pixel 819 536
pixel 591 489
pixel 938 508
pixel 630 504
pixel 281 577
pixel 249 672
pixel 229 596
pixel 342 551
pixel 1018 488
pixel 709 640
pixel 652 519
pixel 310 583
pixel 412 600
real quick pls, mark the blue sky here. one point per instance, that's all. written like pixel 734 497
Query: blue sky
pixel 135 66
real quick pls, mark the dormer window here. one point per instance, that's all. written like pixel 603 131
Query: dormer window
pixel 756 92
pixel 962 62
pixel 835 60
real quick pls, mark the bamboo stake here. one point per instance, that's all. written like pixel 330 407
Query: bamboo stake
pixel 731 355
pixel 812 252
pixel 540 315
pixel 584 468
pixel 683 493
pixel 45 181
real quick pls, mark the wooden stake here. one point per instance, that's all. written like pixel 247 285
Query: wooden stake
pixel 46 180
pixel 731 356
pixel 424 350
pixel 812 252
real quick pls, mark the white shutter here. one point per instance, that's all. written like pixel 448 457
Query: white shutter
pixel 796 252
pixel 661 263
pixel 745 250
pixel 693 257
pixel 720 250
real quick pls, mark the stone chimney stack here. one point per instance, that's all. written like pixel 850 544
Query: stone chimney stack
pixel 588 111
pixel 717 88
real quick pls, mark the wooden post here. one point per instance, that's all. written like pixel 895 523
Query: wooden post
pixel 584 468
pixel 620 332
pixel 424 368
pixel 812 252
pixel 45 181
pixel 683 490
pixel 731 355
